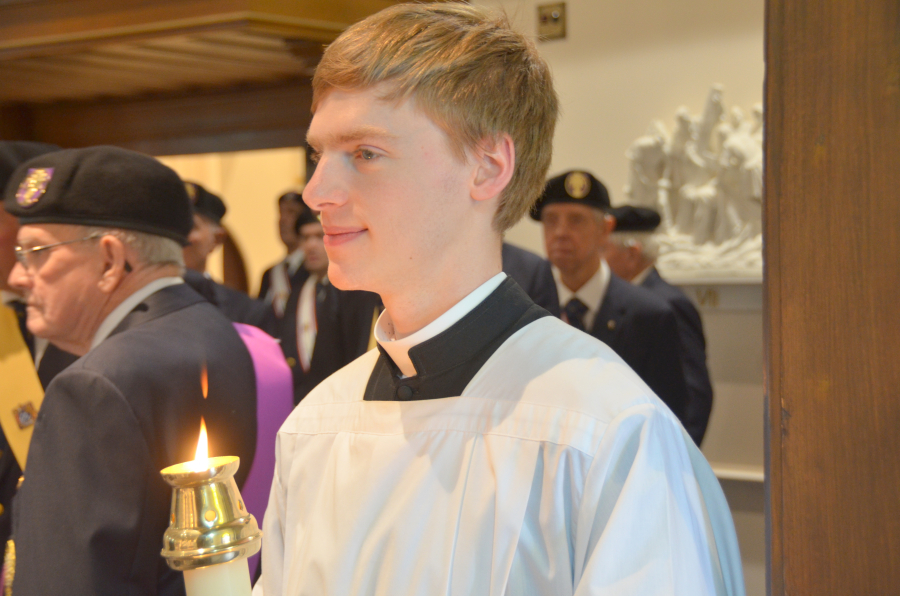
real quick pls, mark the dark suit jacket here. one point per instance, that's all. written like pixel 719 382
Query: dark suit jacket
pixel 265 283
pixel 641 329
pixel 90 515
pixel 237 307
pixel 53 362
pixel 693 344
pixel 533 274
pixel 344 324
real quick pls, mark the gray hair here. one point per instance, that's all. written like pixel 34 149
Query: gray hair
pixel 645 240
pixel 150 248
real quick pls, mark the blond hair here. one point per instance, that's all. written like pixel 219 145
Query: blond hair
pixel 468 71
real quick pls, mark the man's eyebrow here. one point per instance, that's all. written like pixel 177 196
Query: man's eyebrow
pixel 355 134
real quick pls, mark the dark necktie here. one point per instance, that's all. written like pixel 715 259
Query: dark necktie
pixel 22 317
pixel 575 310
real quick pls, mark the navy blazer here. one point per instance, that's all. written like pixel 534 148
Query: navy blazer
pixel 52 363
pixel 533 274
pixel 90 515
pixel 693 344
pixel 642 330
pixel 237 306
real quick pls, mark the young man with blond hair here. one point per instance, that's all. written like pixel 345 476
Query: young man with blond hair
pixel 484 447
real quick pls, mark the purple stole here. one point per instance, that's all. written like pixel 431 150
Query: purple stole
pixel 274 401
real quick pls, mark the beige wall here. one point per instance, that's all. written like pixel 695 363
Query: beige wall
pixel 627 62
pixel 249 182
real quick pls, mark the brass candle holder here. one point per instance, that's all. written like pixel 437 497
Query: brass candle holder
pixel 210 530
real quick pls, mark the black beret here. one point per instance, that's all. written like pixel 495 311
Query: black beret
pixel 101 186
pixel 13 153
pixel 205 203
pixel 307 216
pixel 634 219
pixel 576 186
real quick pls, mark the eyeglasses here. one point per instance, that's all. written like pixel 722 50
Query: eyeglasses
pixel 29 257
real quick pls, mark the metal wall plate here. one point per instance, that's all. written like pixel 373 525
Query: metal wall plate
pixel 552 21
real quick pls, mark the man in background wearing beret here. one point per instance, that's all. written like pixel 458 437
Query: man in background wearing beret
pixel 207 235
pixel 637 325
pixel 99 262
pixel 21 385
pixel 485 447
pixel 631 253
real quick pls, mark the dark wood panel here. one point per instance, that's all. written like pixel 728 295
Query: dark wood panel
pixel 228 120
pixel 831 222
pixel 15 123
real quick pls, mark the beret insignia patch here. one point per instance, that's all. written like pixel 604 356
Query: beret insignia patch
pixel 578 185
pixel 25 415
pixel 33 186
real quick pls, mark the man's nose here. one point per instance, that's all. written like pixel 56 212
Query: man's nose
pixel 326 187
pixel 19 278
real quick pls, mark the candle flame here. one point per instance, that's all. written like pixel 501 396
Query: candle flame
pixel 204 381
pixel 202 443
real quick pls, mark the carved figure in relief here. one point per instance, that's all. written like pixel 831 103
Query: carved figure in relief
pixel 705 180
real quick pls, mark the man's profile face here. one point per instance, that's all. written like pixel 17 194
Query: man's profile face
pixel 9 226
pixel 288 211
pixel 391 193
pixel 203 238
pixel 574 234
pixel 60 288
pixel 315 259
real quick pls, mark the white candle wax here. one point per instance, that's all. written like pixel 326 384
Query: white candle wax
pixel 225 579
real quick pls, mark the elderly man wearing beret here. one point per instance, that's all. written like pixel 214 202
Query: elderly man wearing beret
pixel 631 253
pixel 21 384
pixel 639 326
pixel 206 236
pixel 99 262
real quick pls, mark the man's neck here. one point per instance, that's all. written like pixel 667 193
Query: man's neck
pixel 575 278
pixel 424 300
pixel 130 284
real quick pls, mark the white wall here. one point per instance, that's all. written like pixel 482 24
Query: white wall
pixel 627 62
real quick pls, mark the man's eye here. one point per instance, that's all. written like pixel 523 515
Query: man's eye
pixel 367 155
pixel 315 156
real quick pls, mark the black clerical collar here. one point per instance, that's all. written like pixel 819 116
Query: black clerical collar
pixel 447 362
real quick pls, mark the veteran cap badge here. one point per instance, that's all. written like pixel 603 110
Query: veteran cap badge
pixel 578 185
pixel 575 186
pixel 33 186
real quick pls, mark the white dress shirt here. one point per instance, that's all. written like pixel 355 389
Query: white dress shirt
pixel 591 293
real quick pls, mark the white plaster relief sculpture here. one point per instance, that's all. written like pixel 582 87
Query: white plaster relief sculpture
pixel 705 179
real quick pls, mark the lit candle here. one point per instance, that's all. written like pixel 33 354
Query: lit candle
pixel 211 534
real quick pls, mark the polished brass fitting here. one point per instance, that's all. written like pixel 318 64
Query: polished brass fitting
pixel 209 523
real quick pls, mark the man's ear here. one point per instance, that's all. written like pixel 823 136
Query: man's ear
pixel 115 264
pixel 495 162
pixel 220 235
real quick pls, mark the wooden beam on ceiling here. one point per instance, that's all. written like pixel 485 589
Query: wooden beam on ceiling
pixel 48 27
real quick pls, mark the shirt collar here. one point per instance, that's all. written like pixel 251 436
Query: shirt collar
pixel 640 277
pixel 398 349
pixel 447 363
pixel 591 293
pixel 113 319
pixel 293 261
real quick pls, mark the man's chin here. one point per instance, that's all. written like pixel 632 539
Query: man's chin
pixel 343 279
